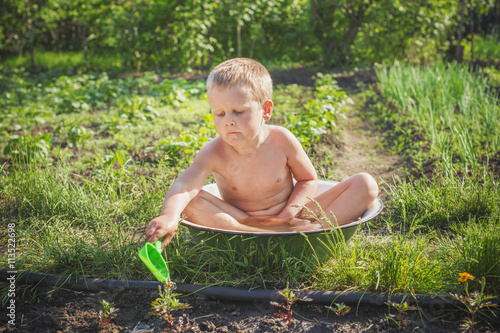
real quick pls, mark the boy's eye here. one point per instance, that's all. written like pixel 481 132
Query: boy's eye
pixel 238 112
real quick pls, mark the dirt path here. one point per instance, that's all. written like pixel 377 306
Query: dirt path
pixel 361 149
pixel 363 152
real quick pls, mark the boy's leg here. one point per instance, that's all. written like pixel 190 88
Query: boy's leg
pixel 208 210
pixel 347 200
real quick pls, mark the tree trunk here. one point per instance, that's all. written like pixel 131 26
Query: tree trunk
pixel 458 50
pixel 238 39
pixel 29 27
pixel 471 26
pixel 85 48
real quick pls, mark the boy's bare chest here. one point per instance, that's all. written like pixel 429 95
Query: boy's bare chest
pixel 259 176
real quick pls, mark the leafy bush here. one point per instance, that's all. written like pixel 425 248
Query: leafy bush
pixel 486 48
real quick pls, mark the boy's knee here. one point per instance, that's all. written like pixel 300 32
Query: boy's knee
pixel 367 184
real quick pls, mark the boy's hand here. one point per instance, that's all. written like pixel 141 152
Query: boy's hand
pixel 161 227
pixel 302 224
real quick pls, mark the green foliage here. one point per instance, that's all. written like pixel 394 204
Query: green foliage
pixel 486 48
pixel 290 300
pixel 401 318
pixel 444 201
pixel 392 263
pixel 320 113
pixel 493 75
pixel 357 31
pixel 194 35
pixel 454 107
pixel 25 148
pixel 79 134
pixel 108 311
pixel 84 212
pixel 181 148
pixel 340 309
pixel 167 302
pixel 137 108
pixel 404 263
pixel 177 91
pixel 476 303
pixel 475 248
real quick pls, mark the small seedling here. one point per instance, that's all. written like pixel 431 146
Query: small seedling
pixel 290 299
pixel 108 311
pixel 474 302
pixel 166 303
pixel 340 310
pixel 401 318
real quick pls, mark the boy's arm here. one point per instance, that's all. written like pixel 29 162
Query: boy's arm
pixel 184 189
pixel 303 172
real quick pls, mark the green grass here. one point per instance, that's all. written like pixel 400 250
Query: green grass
pixel 66 61
pixel 91 156
pixel 474 248
pixel 443 201
pixel 452 106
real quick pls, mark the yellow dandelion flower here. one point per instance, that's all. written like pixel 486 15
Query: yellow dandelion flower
pixel 464 277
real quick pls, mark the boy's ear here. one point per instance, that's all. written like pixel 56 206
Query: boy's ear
pixel 268 109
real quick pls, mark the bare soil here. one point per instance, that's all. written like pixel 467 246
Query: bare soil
pixel 47 310
pixel 43 309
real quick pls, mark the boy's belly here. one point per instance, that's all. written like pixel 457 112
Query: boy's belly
pixel 271 211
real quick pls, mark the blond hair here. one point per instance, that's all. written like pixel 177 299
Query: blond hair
pixel 245 74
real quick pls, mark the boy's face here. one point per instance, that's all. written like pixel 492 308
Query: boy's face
pixel 238 119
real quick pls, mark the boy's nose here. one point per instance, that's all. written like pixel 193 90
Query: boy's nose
pixel 229 121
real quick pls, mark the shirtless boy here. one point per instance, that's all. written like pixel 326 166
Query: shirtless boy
pixel 262 172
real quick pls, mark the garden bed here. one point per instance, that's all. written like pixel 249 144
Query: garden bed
pixel 47 310
pixel 102 165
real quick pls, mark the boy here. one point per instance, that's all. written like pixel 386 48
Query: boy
pixel 262 172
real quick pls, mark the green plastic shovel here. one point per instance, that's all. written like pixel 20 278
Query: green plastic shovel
pixel 150 255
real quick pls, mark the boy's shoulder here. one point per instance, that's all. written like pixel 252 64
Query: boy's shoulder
pixel 214 145
pixel 281 132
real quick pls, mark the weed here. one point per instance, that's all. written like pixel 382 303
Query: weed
pixel 166 303
pixel 79 134
pixel 290 299
pixel 475 303
pixel 401 318
pixel 25 148
pixel 138 107
pixel 108 311
pixel 340 310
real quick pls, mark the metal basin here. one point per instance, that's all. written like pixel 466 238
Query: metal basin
pixel 315 244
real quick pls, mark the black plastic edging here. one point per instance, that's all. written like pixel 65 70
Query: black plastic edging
pixel 435 303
